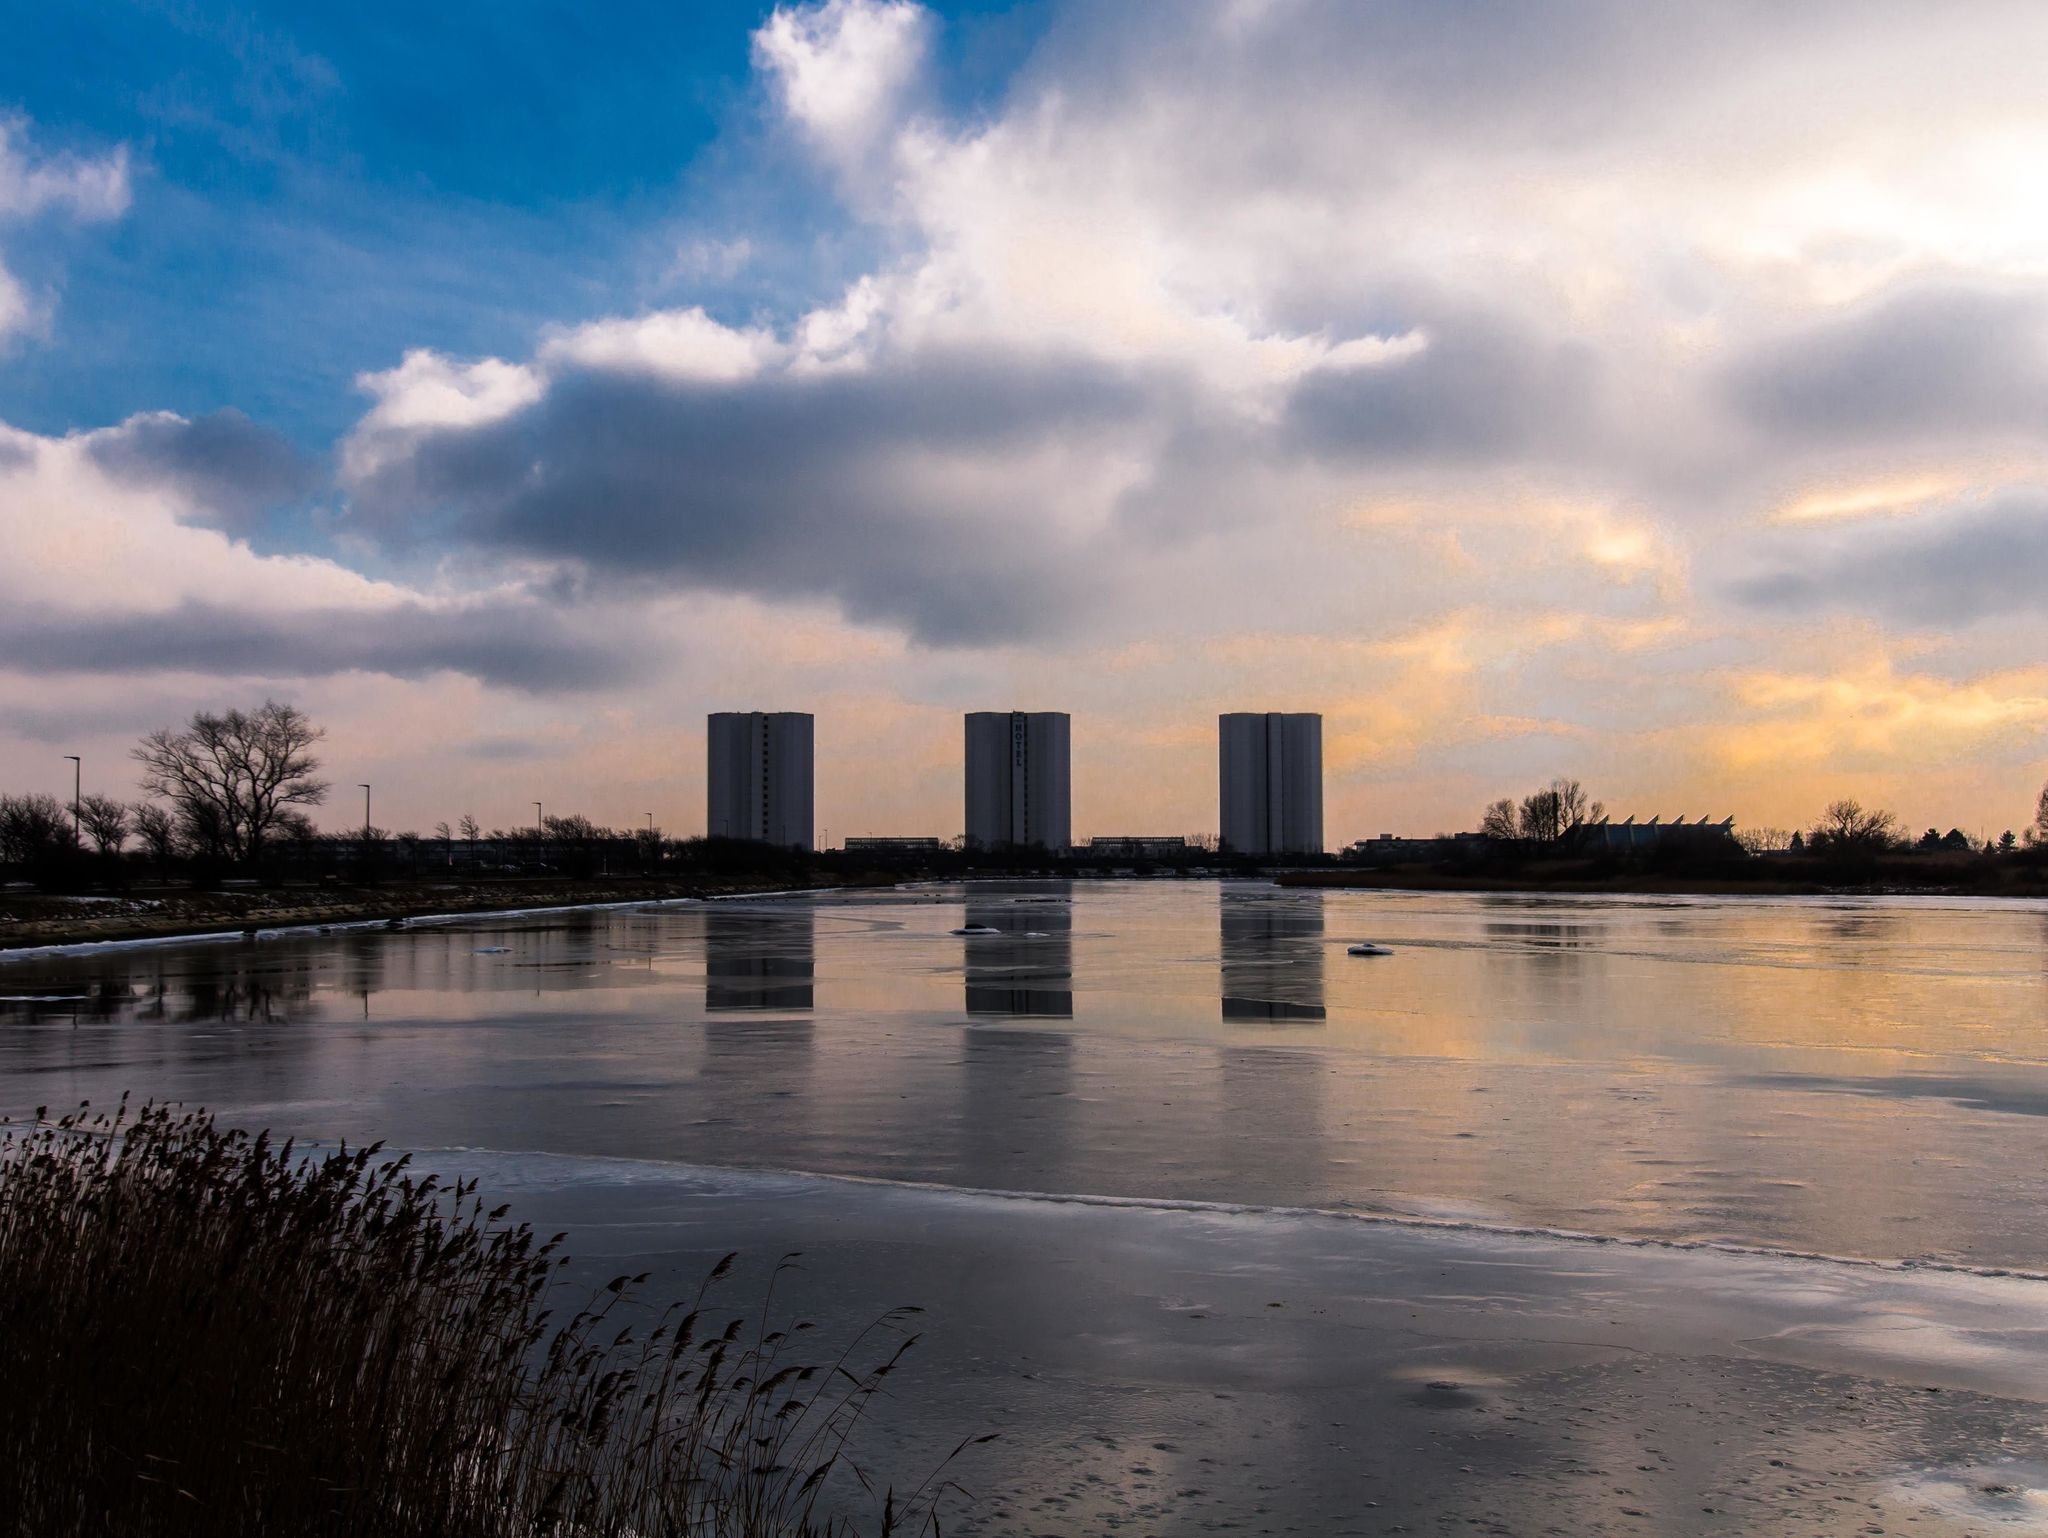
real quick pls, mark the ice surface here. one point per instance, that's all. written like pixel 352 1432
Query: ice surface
pixel 1165 1367
pixel 1529 1233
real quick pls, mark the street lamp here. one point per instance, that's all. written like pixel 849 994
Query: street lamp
pixel 366 808
pixel 77 782
pixel 540 823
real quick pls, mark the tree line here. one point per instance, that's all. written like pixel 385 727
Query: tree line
pixel 1559 813
pixel 1551 815
pixel 231 790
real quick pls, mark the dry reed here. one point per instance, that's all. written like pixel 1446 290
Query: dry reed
pixel 205 1332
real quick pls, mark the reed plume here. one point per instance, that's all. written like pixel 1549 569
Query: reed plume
pixel 203 1331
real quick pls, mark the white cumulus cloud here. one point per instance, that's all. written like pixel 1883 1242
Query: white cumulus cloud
pixel 841 70
pixel 89 189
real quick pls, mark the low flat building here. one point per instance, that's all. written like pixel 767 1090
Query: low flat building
pixel 1137 846
pixel 867 844
pixel 1393 849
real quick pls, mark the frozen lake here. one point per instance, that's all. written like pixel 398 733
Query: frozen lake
pixel 1849 1077
pixel 1310 1185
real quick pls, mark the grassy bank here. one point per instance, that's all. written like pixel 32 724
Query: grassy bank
pixel 28 919
pixel 204 1333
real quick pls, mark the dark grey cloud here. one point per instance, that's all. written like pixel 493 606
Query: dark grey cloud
pixel 873 488
pixel 1924 363
pixel 1980 561
pixel 232 469
pixel 509 749
pixel 68 723
pixel 925 492
pixel 1482 391
pixel 520 644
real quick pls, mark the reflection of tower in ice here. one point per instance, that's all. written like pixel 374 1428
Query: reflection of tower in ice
pixel 1027 967
pixel 759 958
pixel 1272 956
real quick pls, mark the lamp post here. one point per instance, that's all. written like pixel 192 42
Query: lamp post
pixel 366 811
pixel 540 823
pixel 77 785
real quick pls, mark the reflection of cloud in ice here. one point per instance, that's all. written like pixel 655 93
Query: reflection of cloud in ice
pixel 1908 1338
pixel 2006 1497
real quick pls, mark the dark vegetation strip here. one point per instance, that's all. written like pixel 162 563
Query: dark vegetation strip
pixel 28 921
pixel 203 1332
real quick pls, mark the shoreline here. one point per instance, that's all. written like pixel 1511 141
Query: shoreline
pixel 72 925
pixel 1399 880
pixel 171 918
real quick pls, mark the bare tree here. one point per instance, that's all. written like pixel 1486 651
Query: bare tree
pixel 1572 806
pixel 232 777
pixel 34 830
pixel 1547 816
pixel 158 830
pixel 1542 817
pixel 2038 833
pixel 105 821
pixel 1845 826
pixel 1764 840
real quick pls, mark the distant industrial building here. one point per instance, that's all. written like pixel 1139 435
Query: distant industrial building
pixel 759 776
pixel 1630 835
pixel 1270 782
pixel 1392 849
pixel 1019 779
pixel 875 844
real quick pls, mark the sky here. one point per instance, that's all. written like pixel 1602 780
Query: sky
pixel 1647 393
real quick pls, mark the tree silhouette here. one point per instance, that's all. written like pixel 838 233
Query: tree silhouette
pixel 1845 827
pixel 105 821
pixel 35 831
pixel 1554 813
pixel 234 778
pixel 157 829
